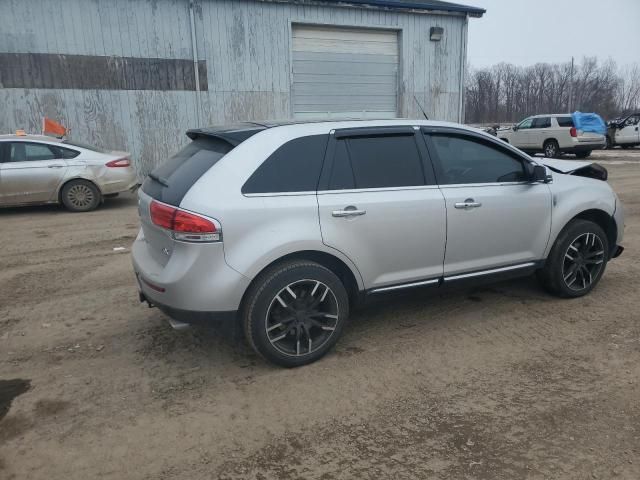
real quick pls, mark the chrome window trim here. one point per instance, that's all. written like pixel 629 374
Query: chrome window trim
pixel 379 189
pixel 280 194
pixel 490 184
pixel 490 271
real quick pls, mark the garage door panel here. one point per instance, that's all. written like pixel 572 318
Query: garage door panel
pixel 342 70
pixel 345 57
pixel 353 88
pixel 362 69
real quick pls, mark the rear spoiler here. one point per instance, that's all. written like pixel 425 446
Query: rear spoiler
pixel 232 137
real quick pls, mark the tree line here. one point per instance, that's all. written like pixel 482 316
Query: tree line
pixel 508 93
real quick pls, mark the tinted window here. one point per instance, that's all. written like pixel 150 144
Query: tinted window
pixel 466 160
pixel 30 152
pixel 565 121
pixel 542 122
pixel 294 167
pixel 376 162
pixel 170 181
pixel 67 152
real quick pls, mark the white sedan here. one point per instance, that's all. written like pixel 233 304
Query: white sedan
pixel 36 169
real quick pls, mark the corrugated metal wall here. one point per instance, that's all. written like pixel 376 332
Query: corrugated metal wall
pixel 247 48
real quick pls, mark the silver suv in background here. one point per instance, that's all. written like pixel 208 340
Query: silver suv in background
pixel 552 135
pixel 286 227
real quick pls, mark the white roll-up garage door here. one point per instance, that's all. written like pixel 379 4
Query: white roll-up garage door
pixel 344 72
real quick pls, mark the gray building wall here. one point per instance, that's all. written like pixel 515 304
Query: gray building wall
pixel 246 45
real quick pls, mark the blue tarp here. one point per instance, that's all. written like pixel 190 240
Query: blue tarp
pixel 589 122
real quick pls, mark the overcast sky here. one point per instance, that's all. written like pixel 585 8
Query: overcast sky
pixel 525 32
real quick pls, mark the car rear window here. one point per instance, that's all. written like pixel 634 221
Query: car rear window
pixel 170 181
pixel 565 121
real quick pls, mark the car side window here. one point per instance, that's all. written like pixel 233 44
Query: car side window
pixel 632 121
pixel 541 122
pixel 293 167
pixel 526 123
pixel 30 152
pixel 67 153
pixel 376 162
pixel 564 121
pixel 464 160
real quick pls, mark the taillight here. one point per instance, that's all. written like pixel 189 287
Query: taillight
pixel 184 225
pixel 121 162
pixel 573 132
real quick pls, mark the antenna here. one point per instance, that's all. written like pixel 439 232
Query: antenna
pixel 420 106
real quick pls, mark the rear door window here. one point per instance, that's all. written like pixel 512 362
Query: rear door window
pixel 170 181
pixel 565 121
pixel 541 122
pixel 293 167
pixel 376 162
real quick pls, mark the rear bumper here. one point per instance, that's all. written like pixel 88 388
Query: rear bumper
pixel 184 318
pixel 584 147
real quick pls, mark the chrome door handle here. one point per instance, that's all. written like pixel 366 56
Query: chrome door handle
pixel 55 166
pixel 468 203
pixel 348 212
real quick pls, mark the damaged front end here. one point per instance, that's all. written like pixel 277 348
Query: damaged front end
pixel 579 169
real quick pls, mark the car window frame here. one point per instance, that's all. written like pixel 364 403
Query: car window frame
pixel 547 125
pixel 6 158
pixel 427 133
pixel 520 127
pixel 428 172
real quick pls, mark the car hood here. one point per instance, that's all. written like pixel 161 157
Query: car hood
pixel 563 166
pixel 577 168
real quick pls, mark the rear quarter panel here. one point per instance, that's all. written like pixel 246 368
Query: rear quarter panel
pixel 259 229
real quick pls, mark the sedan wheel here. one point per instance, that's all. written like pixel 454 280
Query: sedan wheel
pixel 80 196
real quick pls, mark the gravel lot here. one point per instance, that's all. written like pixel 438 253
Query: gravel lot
pixel 503 382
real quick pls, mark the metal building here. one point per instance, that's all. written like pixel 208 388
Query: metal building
pixel 135 74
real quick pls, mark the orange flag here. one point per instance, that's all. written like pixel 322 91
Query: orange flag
pixel 54 128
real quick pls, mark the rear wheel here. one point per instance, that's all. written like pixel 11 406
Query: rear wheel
pixel 80 196
pixel 577 260
pixel 295 312
pixel 626 146
pixel 609 144
pixel 583 154
pixel 551 149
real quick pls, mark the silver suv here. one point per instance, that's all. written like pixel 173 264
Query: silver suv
pixel 552 135
pixel 286 227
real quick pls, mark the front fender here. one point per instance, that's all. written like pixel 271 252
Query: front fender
pixel 574 195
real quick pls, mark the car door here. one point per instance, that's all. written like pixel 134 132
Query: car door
pixel 30 172
pixel 539 132
pixel 629 133
pixel 496 219
pixel 379 205
pixel 521 137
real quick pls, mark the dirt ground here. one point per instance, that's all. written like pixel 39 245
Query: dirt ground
pixel 503 382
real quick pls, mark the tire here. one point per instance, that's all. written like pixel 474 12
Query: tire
pixel 276 314
pixel 80 196
pixel 580 240
pixel 626 146
pixel 551 149
pixel 609 144
pixel 583 154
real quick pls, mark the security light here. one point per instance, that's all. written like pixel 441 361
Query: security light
pixel 436 34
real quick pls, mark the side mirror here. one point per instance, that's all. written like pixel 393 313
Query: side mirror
pixel 515 128
pixel 539 174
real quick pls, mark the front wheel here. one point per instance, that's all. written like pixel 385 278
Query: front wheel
pixel 551 149
pixel 295 312
pixel 577 260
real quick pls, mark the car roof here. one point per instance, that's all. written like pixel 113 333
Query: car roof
pixel 555 115
pixel 37 138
